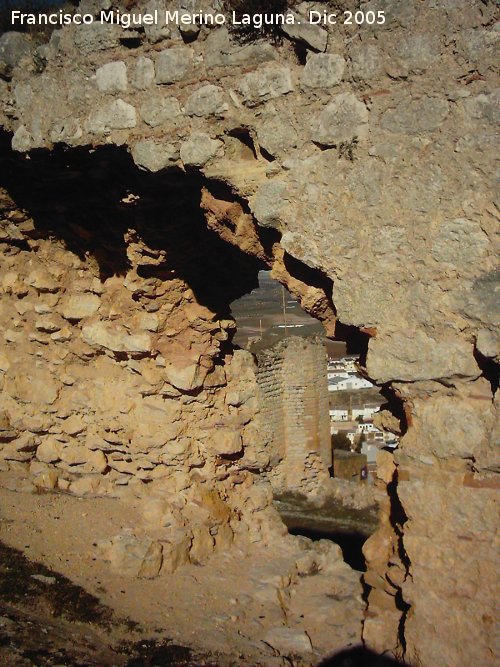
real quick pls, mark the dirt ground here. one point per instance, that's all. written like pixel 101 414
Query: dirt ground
pixel 46 620
pixel 80 612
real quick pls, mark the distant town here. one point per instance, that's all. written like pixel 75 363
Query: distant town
pixel 269 314
pixel 354 401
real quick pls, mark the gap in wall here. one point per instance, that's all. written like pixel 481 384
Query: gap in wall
pixel 99 205
pixel 266 317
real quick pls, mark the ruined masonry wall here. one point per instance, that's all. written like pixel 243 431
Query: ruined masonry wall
pixel 291 378
pixel 110 386
pixel 270 383
pixel 373 163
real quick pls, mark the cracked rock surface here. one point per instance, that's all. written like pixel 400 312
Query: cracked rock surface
pixel 161 177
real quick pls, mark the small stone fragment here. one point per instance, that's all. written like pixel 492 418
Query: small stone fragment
pixel 44 579
pixel 342 120
pixel 22 140
pixel 153 156
pixel 143 73
pixel 112 77
pixel 199 149
pixel 323 70
pixel 173 64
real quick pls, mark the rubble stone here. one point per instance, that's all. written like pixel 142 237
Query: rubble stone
pixel 22 140
pixel 143 74
pixel 173 64
pixel 97 37
pixel 289 641
pixel 323 70
pixel 268 203
pixel 226 442
pixel 276 134
pixel 115 338
pixel 13 47
pixel 366 61
pixel 268 82
pixel 158 110
pixel 436 358
pixel 154 156
pixel 199 149
pixel 220 50
pixel 205 101
pixel 133 557
pixel 414 116
pixel 159 30
pixel 77 307
pixel 309 33
pixel 112 77
pixel 116 115
pixel 343 119
pixel 49 451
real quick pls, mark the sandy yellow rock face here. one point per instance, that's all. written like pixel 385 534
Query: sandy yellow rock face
pixel 363 177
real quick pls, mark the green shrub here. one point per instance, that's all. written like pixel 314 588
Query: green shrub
pixel 341 441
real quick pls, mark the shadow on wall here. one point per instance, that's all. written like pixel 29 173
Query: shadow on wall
pixel 350 543
pixel 100 204
pixel 360 657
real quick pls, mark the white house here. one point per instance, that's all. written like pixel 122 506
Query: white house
pixel 366 412
pixel 353 381
pixel 338 414
pixel 336 365
pixel 349 428
pixel 351 435
pixel 350 362
pixel 368 427
pixel 337 374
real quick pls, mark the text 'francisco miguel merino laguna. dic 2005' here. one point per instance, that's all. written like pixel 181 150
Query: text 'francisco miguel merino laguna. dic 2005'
pixel 131 20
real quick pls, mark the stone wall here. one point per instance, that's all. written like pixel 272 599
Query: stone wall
pixel 363 175
pixel 293 395
pixel 117 377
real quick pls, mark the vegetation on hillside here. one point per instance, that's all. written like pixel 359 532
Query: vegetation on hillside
pixel 271 8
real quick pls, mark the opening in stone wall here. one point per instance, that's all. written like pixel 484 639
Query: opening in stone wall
pixel 319 411
pixel 137 457
pixel 269 314
pixel 133 420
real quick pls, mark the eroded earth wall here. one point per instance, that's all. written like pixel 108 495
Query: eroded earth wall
pixel 361 157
